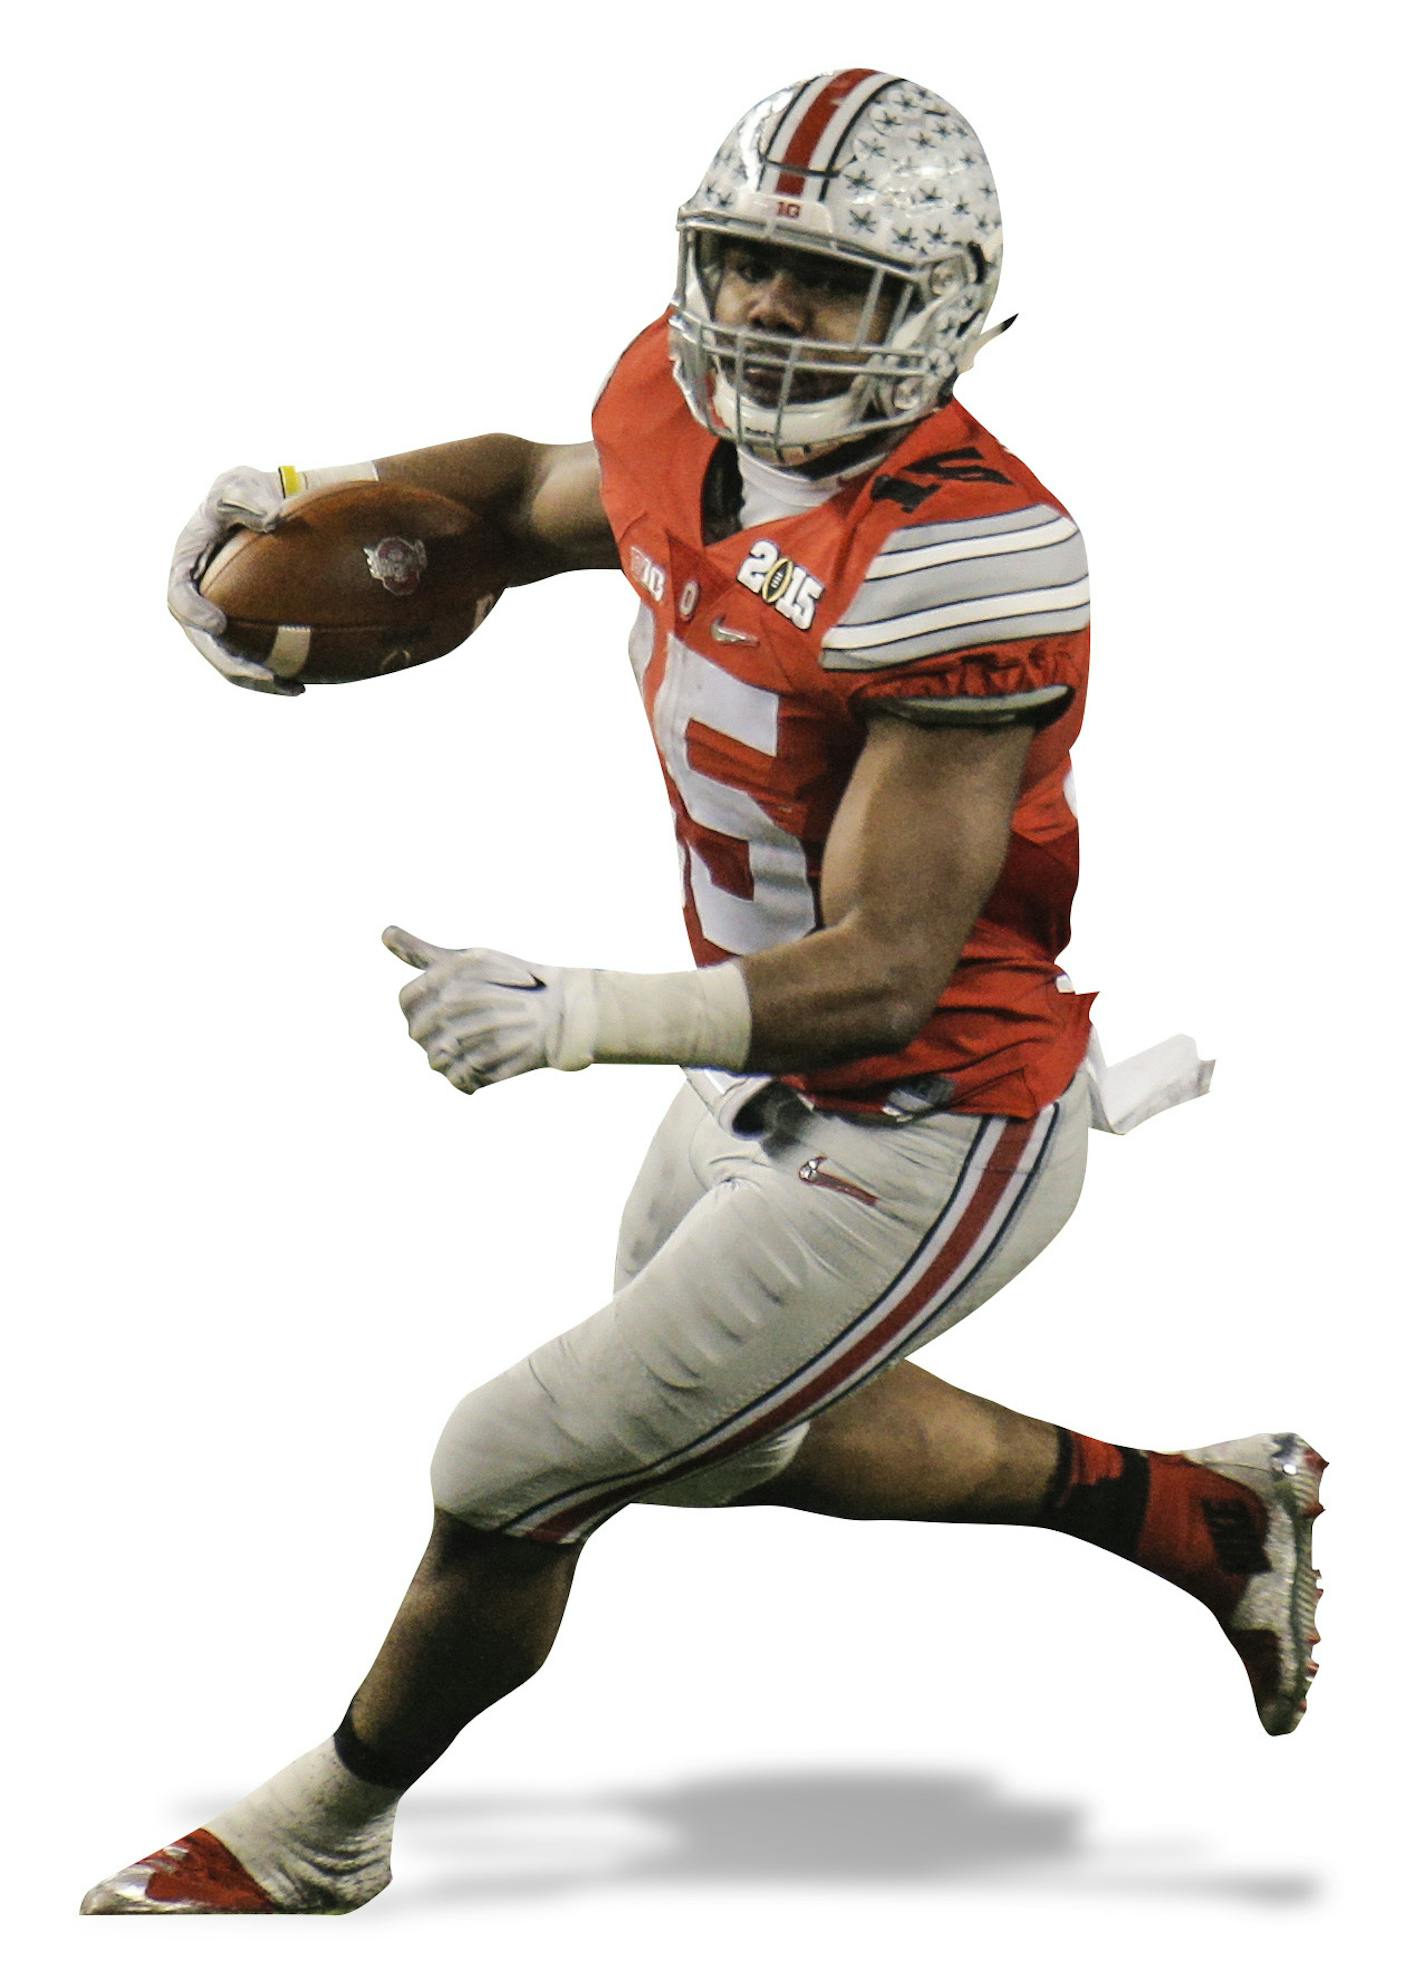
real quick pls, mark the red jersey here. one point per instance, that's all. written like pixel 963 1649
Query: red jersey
pixel 946 576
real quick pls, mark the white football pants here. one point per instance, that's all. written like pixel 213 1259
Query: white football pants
pixel 761 1277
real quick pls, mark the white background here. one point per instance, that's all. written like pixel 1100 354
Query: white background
pixel 259 1250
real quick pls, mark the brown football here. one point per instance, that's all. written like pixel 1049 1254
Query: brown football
pixel 356 581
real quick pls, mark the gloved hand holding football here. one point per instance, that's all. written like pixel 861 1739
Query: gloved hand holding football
pixel 348 580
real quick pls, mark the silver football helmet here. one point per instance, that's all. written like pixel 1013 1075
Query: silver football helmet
pixel 890 182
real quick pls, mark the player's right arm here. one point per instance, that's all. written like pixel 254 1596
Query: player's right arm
pixel 543 498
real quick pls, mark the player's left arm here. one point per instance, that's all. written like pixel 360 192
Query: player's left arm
pixel 914 851
pixel 915 848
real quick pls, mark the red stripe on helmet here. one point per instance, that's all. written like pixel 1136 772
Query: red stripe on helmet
pixel 812 127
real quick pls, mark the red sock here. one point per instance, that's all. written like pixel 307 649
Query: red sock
pixel 1190 1525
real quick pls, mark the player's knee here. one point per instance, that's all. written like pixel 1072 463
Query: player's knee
pixel 471 1471
pixel 488 1475
pixel 456 1546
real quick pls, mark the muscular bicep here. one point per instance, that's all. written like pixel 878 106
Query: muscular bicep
pixel 918 842
pixel 544 498
pixel 564 517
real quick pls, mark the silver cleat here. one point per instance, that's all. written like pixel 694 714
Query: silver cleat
pixel 1273 1625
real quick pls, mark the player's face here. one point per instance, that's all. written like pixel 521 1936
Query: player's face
pixel 808 295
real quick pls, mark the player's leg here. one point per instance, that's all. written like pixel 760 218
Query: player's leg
pixel 484 1607
pixel 911 1447
pixel 1230 1524
pixel 477 1620
pixel 482 1612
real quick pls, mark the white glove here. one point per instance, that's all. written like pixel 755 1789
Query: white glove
pixel 243 497
pixel 480 1016
pixel 483 1016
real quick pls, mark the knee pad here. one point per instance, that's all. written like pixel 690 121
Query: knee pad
pixel 480 1468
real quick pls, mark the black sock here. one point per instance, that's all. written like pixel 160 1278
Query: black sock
pixel 364 1763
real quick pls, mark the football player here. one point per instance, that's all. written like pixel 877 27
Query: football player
pixel 862 644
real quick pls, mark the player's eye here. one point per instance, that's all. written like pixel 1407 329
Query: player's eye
pixel 838 283
pixel 750 266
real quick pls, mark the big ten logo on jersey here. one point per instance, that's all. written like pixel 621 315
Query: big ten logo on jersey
pixel 781 582
pixel 647 573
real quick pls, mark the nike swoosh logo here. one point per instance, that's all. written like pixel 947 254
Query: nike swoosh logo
pixel 510 975
pixel 722 633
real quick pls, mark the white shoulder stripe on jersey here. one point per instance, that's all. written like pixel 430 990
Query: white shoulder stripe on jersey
pixel 971 636
pixel 929 533
pixel 893 560
pixel 977 609
pixel 970 609
pixel 994 578
pixel 931 632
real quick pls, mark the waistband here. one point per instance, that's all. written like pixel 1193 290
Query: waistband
pixel 744 1103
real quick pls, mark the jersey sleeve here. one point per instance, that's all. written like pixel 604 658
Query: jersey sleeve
pixel 968 621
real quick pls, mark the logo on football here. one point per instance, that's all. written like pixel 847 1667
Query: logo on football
pixel 397 564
